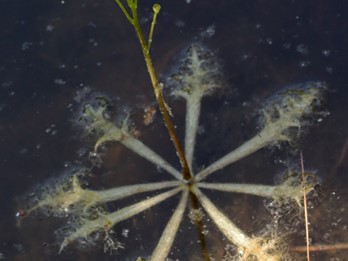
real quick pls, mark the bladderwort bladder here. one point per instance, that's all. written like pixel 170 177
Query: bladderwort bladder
pixel 284 117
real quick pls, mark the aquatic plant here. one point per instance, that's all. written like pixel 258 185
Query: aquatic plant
pixel 282 120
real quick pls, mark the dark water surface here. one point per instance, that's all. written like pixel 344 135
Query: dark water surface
pixel 53 51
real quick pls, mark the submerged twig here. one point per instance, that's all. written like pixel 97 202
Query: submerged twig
pixel 305 207
pixel 321 248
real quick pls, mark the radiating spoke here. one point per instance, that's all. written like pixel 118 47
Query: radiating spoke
pixel 130 190
pixel 111 219
pixel 225 225
pixel 111 132
pixel 144 151
pixel 249 147
pixel 251 189
pixel 286 112
pixel 166 241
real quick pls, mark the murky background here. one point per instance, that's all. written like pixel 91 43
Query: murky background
pixel 52 52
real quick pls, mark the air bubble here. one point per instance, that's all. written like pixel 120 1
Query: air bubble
pixel 326 52
pixel 269 41
pixel 302 49
pixel 304 64
pixel 49 27
pixel 329 69
pixel 125 232
pixel 26 45
pixel 59 81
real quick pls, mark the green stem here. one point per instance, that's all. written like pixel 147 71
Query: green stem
pixel 157 86
pixel 156 9
pixel 125 11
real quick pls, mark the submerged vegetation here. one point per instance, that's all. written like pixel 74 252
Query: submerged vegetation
pixel 283 119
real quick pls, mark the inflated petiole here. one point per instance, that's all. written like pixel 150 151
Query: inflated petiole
pixel 287 112
pixel 110 132
pixel 109 220
pixel 248 248
pixel 166 241
pixel 61 200
pixel 198 78
pixel 289 190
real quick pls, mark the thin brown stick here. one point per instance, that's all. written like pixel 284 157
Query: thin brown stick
pixel 321 248
pixel 305 207
pixel 157 87
pixel 340 160
pixel 199 226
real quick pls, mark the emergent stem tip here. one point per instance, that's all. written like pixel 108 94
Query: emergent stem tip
pixel 156 8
